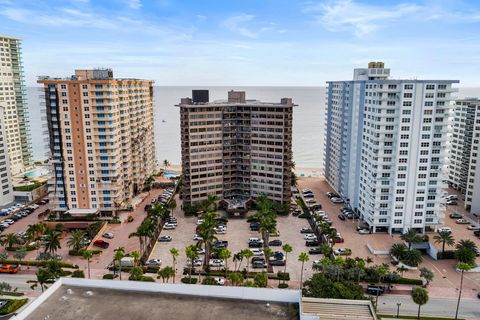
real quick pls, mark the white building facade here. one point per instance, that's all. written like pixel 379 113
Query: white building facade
pixel 14 104
pixel 6 189
pixel 385 148
pixel 464 173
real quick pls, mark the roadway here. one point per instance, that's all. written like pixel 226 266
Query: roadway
pixel 441 307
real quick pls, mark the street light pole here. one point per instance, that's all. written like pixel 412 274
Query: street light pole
pixel 398 308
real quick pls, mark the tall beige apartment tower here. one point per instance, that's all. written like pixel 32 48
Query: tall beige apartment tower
pixel 235 149
pixel 101 139
pixel 14 104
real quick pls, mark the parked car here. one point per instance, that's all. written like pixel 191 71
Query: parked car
pixel 455 215
pixel 314 251
pixel 216 263
pixel 108 235
pixel 165 239
pixel 317 263
pixel 310 236
pixel 310 201
pixel 451 202
pixel 262 259
pixel 277 262
pixel 308 196
pixel 254 226
pixel 312 243
pixel 306 230
pixel 101 244
pixel 336 200
pixel 341 251
pixel 9 221
pixel 275 243
pixel 462 221
pixel 255 244
pixel 154 263
pixel 257 252
pixel 258 264
pixel 196 263
pixel 220 244
pixel 169 226
pixel 375 289
pixel 219 281
pixel 473 227
pixel 196 237
pixel 442 229
pixel 9 268
pixel 364 231
pixel 341 217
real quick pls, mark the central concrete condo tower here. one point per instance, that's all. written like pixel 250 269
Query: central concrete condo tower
pixel 235 149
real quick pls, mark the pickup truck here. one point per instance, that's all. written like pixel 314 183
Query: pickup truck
pixel 9 268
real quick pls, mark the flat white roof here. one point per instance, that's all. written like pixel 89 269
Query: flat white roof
pixel 82 211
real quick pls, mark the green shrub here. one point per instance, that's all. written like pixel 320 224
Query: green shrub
pixel 12 293
pixel 12 305
pixel 78 274
pixel 40 263
pixel 115 221
pixel 261 280
pixel 189 280
pixel 281 276
pixel 109 276
pixel 448 254
pixel 147 279
pixel 26 247
pixel 65 273
pixel 209 281
pixel 81 251
pixel 283 286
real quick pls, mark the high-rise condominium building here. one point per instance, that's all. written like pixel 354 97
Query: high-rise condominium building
pixel 14 104
pixel 235 149
pixel 465 151
pixel 385 148
pixel 101 139
pixel 6 190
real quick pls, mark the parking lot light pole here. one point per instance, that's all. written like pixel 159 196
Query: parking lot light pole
pixel 398 308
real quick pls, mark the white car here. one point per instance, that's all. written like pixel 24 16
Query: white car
pixel 216 263
pixel 196 237
pixel 444 229
pixel 317 263
pixel 201 251
pixel 473 227
pixel 257 252
pixel 9 221
pixel 340 251
pixel 169 226
pixel 220 231
pixel 219 281
pixel 199 222
pixel 4 225
pixel 310 236
pixel 311 201
pixel 255 240
pixel 337 200
pixel 196 263
pixel 364 231
pixel 108 235
pixel 154 263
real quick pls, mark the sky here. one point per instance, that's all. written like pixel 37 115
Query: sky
pixel 247 42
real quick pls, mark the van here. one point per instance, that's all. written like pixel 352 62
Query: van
pixel 127 262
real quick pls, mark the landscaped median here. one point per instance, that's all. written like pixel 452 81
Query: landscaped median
pixel 12 305
pixel 382 316
pixel 41 263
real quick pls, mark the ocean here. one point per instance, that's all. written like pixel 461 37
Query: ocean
pixel 308 119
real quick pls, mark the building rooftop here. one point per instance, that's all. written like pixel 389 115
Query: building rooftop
pixel 201 98
pixel 73 298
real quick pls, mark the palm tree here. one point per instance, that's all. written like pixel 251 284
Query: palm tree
pixel 76 240
pixel 468 244
pixel 43 277
pixel 402 269
pixel 410 237
pixel 174 252
pixel 166 273
pixel 398 250
pixel 51 242
pixel 420 297
pixel 206 231
pixel 191 252
pixel 136 258
pixel 235 278
pixel 462 266
pixel 426 274
pixel 368 261
pixel 303 257
pixel 412 257
pixel 34 231
pixel 287 249
pixel 225 254
pixel 238 258
pixel 11 239
pixel 166 164
pixel 87 255
pixel 247 254
pixel 118 256
pixel 466 251
pixel 445 238
pixel 20 254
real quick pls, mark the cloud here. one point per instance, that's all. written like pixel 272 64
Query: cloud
pixel 341 15
pixel 134 4
pixel 238 23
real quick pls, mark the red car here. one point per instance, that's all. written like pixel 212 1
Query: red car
pixel 101 243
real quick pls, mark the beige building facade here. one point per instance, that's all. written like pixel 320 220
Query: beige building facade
pixel 235 149
pixel 101 139
pixel 14 103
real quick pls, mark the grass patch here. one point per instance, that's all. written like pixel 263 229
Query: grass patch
pixel 12 305
pixel 414 317
pixel 12 293
pixel 29 187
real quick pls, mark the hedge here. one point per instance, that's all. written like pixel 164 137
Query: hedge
pixel 40 263
pixel 109 276
pixel 26 247
pixel 12 305
pixel 414 317
pixel 81 251
pixel 29 187
pixel 149 269
pixel 189 280
pixel 449 254
pixel 416 282
pixel 78 274
pixel 221 273
pixel 12 293
pixel 283 286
